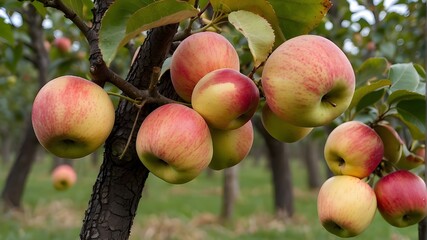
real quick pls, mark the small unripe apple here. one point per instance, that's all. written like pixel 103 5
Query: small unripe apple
pixel 174 143
pixel 63 177
pixel 346 205
pixel 225 98
pixel 402 198
pixel 353 148
pixel 230 147
pixel 198 55
pixel 280 129
pixel 72 116
pixel 308 81
pixel 63 44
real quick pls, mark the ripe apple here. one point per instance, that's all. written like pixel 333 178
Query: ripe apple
pixel 308 81
pixel 63 44
pixel 411 159
pixel 353 148
pixel 174 143
pixel 63 177
pixel 225 98
pixel 230 147
pixel 402 198
pixel 346 205
pixel 280 129
pixel 198 55
pixel 72 116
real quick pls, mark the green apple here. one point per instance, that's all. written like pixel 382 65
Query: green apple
pixel 402 198
pixel 174 143
pixel 63 177
pixel 346 205
pixel 230 147
pixel 72 117
pixel 280 129
pixel 225 98
pixel 353 148
pixel 198 55
pixel 308 81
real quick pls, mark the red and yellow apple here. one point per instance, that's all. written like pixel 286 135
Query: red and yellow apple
pixel 225 98
pixel 346 205
pixel 353 148
pixel 198 55
pixel 63 44
pixel 174 143
pixel 280 129
pixel 308 81
pixel 72 116
pixel 402 198
pixel 63 177
pixel 230 147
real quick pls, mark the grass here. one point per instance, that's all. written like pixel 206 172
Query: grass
pixel 178 212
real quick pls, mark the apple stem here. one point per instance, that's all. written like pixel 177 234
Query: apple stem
pixel 330 102
pixel 124 97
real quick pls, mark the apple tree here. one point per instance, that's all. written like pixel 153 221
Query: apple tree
pixel 166 129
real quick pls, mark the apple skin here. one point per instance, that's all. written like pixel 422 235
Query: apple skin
pixel 63 44
pixel 308 81
pixel 230 147
pixel 402 198
pixel 63 177
pixel 198 55
pixel 72 116
pixel 280 129
pixel 225 98
pixel 353 148
pixel 346 205
pixel 174 143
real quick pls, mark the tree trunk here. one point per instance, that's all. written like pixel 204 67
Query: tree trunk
pixel 15 182
pixel 281 173
pixel 230 192
pixel 310 153
pixel 117 190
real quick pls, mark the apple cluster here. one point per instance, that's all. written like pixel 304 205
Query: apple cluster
pixel 177 142
pixel 347 202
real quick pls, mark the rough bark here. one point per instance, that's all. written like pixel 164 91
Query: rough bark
pixel 117 190
pixel 230 192
pixel 281 173
pixel 15 182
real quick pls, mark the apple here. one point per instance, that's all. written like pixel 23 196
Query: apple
pixel 353 148
pixel 225 98
pixel 72 116
pixel 308 81
pixel 411 159
pixel 230 147
pixel 198 55
pixel 346 205
pixel 174 143
pixel 280 129
pixel 63 44
pixel 402 198
pixel 63 177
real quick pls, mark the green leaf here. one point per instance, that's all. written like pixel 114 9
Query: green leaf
pixel 297 17
pixel 404 76
pixel 80 7
pixel 370 99
pixel 6 35
pixel 372 69
pixel 126 19
pixel 261 7
pixel 413 114
pixel 361 92
pixel 257 30
pixel 400 95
